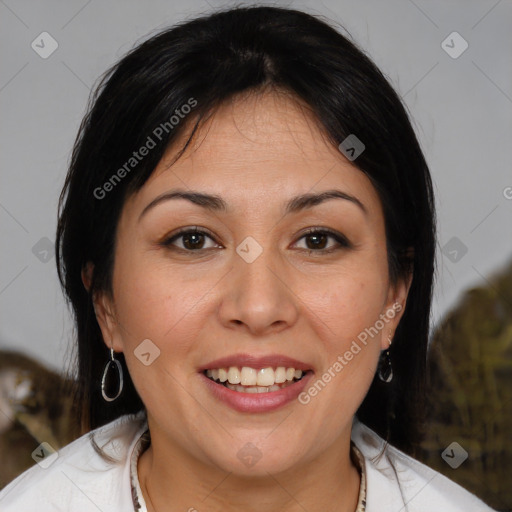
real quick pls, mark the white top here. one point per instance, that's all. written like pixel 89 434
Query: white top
pixel 78 479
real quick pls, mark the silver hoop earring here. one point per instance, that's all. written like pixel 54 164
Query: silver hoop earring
pixel 385 371
pixel 115 365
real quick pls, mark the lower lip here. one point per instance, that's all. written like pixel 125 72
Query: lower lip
pixel 257 402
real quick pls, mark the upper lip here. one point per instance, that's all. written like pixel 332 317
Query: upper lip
pixel 270 360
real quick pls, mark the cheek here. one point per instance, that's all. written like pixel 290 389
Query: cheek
pixel 345 311
pixel 349 301
pixel 166 310
pixel 152 305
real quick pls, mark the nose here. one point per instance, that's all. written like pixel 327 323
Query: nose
pixel 258 296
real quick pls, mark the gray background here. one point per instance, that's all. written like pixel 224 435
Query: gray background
pixel 461 109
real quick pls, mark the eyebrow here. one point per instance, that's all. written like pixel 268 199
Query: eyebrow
pixel 216 203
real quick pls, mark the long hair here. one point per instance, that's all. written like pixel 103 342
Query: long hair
pixel 202 63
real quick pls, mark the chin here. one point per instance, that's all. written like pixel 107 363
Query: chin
pixel 253 460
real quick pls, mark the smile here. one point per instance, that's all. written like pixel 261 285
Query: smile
pixel 252 380
pixel 252 398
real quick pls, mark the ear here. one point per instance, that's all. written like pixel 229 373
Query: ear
pixel 104 308
pixel 394 308
pixel 87 275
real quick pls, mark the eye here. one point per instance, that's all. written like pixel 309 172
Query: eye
pixel 318 238
pixel 191 240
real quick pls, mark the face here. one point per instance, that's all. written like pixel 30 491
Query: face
pixel 263 277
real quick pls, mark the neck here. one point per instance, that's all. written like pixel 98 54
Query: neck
pixel 169 475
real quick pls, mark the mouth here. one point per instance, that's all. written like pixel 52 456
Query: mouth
pixel 246 379
pixel 251 384
pixel 250 396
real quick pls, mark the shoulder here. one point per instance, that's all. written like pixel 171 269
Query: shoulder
pixel 396 481
pixel 77 477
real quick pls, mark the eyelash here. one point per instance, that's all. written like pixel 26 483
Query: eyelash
pixel 340 239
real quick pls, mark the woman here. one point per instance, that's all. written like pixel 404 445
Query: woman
pixel 247 238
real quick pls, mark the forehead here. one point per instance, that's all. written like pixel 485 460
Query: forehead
pixel 258 149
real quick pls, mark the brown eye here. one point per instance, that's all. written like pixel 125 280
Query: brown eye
pixel 317 240
pixel 191 240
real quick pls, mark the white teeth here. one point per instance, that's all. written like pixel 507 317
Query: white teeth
pixel 249 376
pixel 262 378
pixel 265 377
pixel 234 376
pixel 280 375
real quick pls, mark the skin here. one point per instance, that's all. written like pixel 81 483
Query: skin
pixel 256 152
